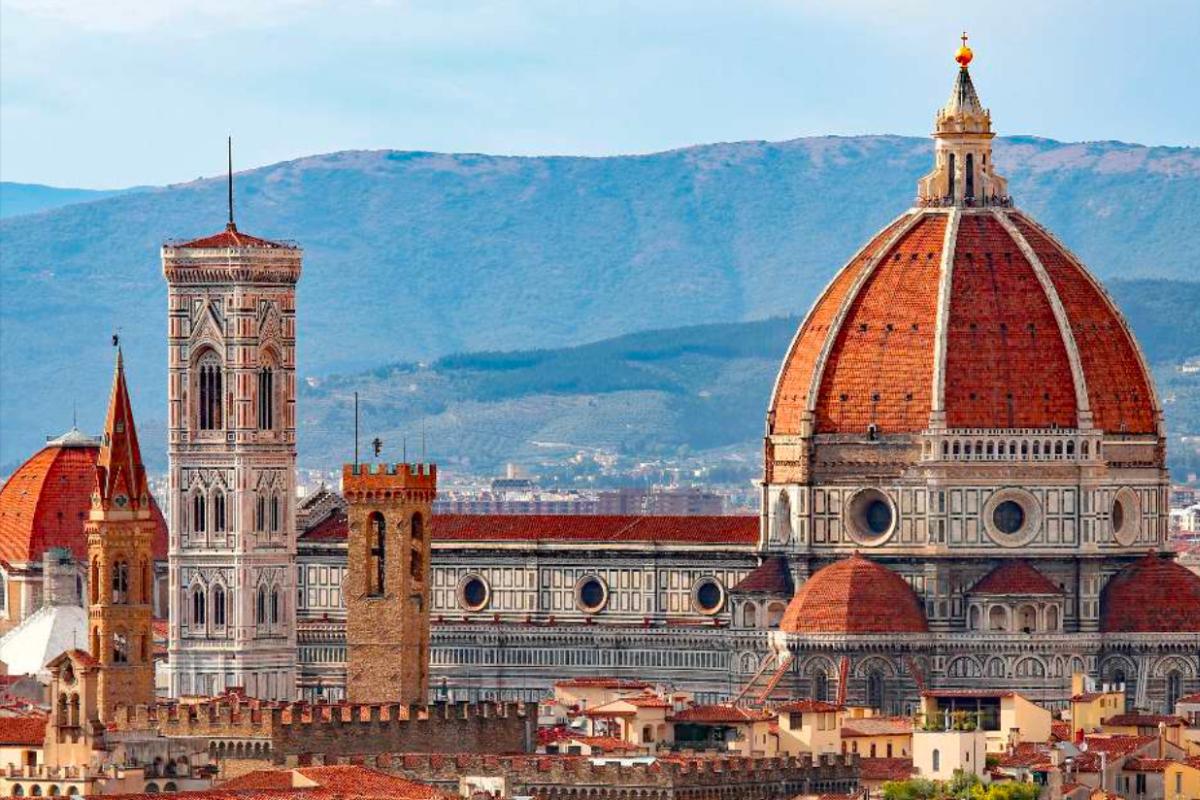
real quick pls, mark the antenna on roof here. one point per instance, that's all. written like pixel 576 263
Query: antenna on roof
pixel 74 413
pixel 356 431
pixel 229 147
pixel 404 448
pixel 423 440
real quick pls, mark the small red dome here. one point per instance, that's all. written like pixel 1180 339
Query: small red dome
pixel 866 353
pixel 45 503
pixel 1151 595
pixel 855 595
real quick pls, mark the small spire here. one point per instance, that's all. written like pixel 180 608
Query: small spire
pixel 229 173
pixel 119 468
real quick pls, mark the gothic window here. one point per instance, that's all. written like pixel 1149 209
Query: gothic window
pixel 199 513
pixel 210 391
pixel 219 511
pixel 376 572
pixel 1174 690
pixel 260 513
pixel 260 606
pixel 94 581
pixel 147 581
pixel 219 606
pixel 274 512
pixel 266 398
pixel 199 607
pixel 820 685
pixel 875 693
pixel 120 648
pixel 275 606
pixel 950 179
pixel 120 582
pixel 970 176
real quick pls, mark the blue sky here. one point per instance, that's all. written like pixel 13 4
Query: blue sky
pixel 126 92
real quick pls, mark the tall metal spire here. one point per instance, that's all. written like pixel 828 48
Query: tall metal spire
pixel 229 144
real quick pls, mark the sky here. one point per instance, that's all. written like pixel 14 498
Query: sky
pixel 136 92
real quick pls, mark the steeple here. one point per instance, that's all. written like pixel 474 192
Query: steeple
pixel 120 474
pixel 963 172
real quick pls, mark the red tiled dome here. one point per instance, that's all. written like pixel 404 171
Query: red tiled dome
pixel 1006 362
pixel 854 595
pixel 1151 595
pixel 45 503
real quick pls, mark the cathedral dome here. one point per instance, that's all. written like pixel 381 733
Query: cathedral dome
pixel 963 313
pixel 45 502
pixel 854 595
pixel 1152 595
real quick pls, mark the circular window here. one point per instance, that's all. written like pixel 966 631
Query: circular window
pixel 870 517
pixel 1008 517
pixel 1125 517
pixel 1012 517
pixel 474 593
pixel 591 595
pixel 708 596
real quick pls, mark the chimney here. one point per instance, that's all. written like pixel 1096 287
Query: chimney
pixel 58 578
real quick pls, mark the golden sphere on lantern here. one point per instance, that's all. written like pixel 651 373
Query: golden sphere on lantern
pixel 964 54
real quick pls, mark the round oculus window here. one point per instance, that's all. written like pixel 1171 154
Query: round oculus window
pixel 1008 517
pixel 474 593
pixel 708 596
pixel 591 594
pixel 870 517
pixel 1125 517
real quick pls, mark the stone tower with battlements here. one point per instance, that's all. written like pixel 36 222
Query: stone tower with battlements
pixel 387 583
pixel 119 530
pixel 232 442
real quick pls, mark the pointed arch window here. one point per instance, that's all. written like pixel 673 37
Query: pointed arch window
pixel 266 397
pixel 199 513
pixel 219 606
pixel 260 606
pixel 120 648
pixel 260 513
pixel 199 607
pixel 376 573
pixel 219 519
pixel 275 610
pixel 274 512
pixel 147 580
pixel 970 177
pixel 950 179
pixel 120 581
pixel 94 582
pixel 210 377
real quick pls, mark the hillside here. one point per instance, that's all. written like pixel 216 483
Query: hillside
pixel 665 393
pixel 417 255
pixel 29 198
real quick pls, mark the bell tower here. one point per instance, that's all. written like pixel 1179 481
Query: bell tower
pixel 231 415
pixel 387 581
pixel 119 530
pixel 963 173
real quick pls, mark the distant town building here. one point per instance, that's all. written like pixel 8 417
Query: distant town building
pixel 664 502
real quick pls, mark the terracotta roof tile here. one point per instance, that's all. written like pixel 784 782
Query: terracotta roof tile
pixel 885 769
pixel 773 576
pixel 732 530
pixel 1136 720
pixel 876 726
pixel 722 713
pixel 1153 594
pixel 1015 577
pixel 855 595
pixel 807 706
pixel 27 731
pixel 232 237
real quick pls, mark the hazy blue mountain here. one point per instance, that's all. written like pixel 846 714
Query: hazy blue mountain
pixel 30 198
pixel 651 394
pixel 412 256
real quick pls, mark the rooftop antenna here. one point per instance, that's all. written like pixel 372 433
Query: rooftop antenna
pixel 229 149
pixel 74 414
pixel 356 431
pixel 422 440
pixel 404 448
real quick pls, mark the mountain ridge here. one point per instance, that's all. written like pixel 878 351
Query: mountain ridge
pixel 418 255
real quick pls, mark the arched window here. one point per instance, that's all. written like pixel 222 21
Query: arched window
pixel 950 179
pixel 260 513
pixel 937 759
pixel 418 528
pixel 775 614
pixel 1052 618
pixel 199 607
pixel 210 392
pixel 275 605
pixel 974 618
pixel 219 605
pixel 875 692
pixel 274 512
pixel 199 513
pixel 266 398
pixel 94 581
pixel 260 606
pixel 219 511
pixel 120 582
pixel 749 615
pixel 1174 690
pixel 783 518
pixel 416 560
pixel 970 176
pixel 120 648
pixel 820 685
pixel 1027 619
pixel 376 573
pixel 997 619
